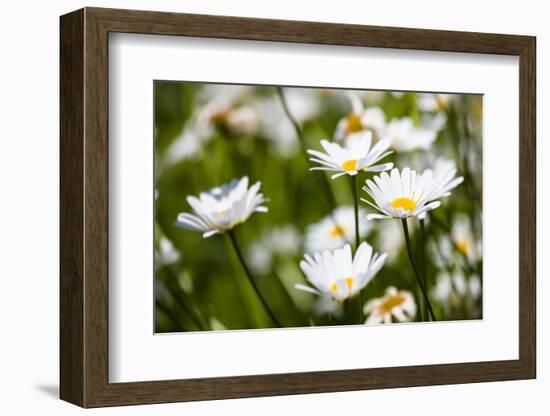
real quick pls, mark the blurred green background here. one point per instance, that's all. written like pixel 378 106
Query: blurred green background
pixel 208 134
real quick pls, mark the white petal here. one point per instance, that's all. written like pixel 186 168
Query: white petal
pixel 210 233
pixel 306 289
pixel 379 168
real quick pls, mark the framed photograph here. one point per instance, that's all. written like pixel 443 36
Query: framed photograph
pixel 264 207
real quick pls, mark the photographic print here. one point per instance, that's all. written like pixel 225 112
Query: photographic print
pixel 285 207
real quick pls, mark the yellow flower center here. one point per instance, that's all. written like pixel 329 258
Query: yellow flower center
pixel 441 103
pixel 219 117
pixel 349 284
pixel 354 123
pixel 463 246
pixel 337 231
pixel 349 165
pixel 406 203
pixel 390 303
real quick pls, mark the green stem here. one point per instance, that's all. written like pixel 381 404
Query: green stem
pixel 181 300
pixel 331 202
pixel 415 269
pixel 356 210
pixel 295 124
pixel 283 290
pixel 161 306
pixel 423 305
pixel 360 308
pixel 361 304
pixel 251 279
pixel 353 310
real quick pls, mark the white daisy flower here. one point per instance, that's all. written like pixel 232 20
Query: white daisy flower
pixel 355 156
pixel 395 305
pixel 335 230
pixel 445 180
pixel 401 195
pixel 404 136
pixel 360 120
pixel 222 208
pixel 337 274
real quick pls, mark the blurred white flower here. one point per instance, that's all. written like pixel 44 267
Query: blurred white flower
pixel 337 274
pixel 459 247
pixel 390 238
pixel 370 97
pixel 327 306
pixel 166 253
pixel 474 286
pixel 404 136
pixel 444 178
pixel 275 125
pixel 220 113
pixel 464 240
pixel 335 230
pixel 242 120
pixel 435 122
pixel 222 208
pixel 433 117
pixel 360 120
pixel 216 106
pixel 451 286
pixel 355 156
pixel 278 241
pixel 186 145
pixel 216 325
pixel 232 94
pixel 303 104
pixel 401 195
pixel 396 304
pixel 433 102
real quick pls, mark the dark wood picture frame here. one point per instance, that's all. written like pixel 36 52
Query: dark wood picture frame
pixel 84 207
